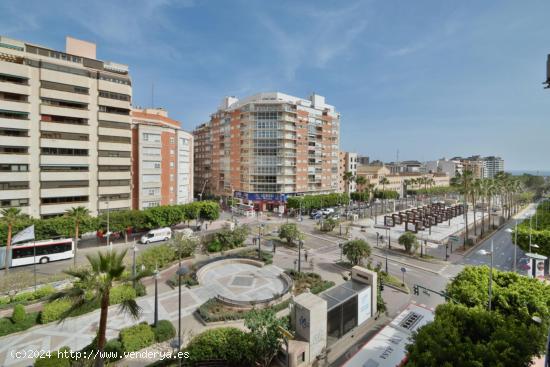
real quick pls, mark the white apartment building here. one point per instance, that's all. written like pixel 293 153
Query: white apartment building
pixel 64 129
pixel 451 168
pixel 162 160
pixel 492 165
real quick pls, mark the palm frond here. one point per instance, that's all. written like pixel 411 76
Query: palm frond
pixel 130 307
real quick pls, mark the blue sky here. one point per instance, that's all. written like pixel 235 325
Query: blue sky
pixel 430 78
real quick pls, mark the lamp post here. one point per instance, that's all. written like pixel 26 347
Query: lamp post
pixel 135 249
pixel 509 230
pixel 182 270
pixel 156 276
pixel 259 238
pixel 489 253
pixel 341 245
pixel 300 244
pixel 377 236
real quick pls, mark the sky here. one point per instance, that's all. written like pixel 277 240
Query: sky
pixel 429 79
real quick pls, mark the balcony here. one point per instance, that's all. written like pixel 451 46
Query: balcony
pixel 14 159
pixel 115 132
pixel 19 106
pixel 106 116
pixel 63 176
pixel 114 161
pixel 64 111
pixel 64 159
pixel 65 143
pixel 15 123
pixel 114 175
pixel 65 96
pixel 46 209
pixel 115 204
pixel 114 87
pixel 108 190
pixel 125 147
pixel 65 128
pixel 18 194
pixel 16 141
pixel 65 78
pixel 113 102
pixel 11 68
pixel 64 191
pixel 15 88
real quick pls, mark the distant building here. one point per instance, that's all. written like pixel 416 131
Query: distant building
pixel 348 163
pixel 492 166
pixel 405 167
pixel 449 167
pixel 267 147
pixel 162 160
pixel 363 160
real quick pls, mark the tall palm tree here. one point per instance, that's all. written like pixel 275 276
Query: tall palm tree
pixel 77 215
pixel 384 181
pixel 10 216
pixel 360 181
pixel 465 181
pixel 483 193
pixel 93 284
pixel 348 177
pixel 475 194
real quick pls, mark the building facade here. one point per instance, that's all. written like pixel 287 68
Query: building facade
pixel 267 147
pixel 203 159
pixel 64 129
pixel 449 167
pixel 162 160
pixel 492 166
pixel 348 163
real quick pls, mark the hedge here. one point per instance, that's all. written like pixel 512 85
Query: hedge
pixel 7 326
pixel 231 345
pixel 54 359
pixel 121 293
pixel 19 314
pixel 26 297
pixel 158 256
pixel 164 331
pixel 213 311
pixel 309 202
pixel 137 337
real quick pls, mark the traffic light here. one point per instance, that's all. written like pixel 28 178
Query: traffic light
pixel 415 290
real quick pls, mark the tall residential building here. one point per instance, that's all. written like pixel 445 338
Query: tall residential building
pixel 162 160
pixel 492 165
pixel 269 146
pixel 64 128
pixel 348 163
pixel 203 159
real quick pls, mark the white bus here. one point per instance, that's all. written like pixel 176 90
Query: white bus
pixel 39 252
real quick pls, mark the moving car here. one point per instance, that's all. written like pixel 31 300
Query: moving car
pixel 156 235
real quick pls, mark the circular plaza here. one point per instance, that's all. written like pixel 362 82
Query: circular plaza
pixel 245 282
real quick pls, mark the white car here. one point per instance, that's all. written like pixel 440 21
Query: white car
pixel 156 235
pixel 327 211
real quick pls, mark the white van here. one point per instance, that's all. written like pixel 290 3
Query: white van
pixel 155 235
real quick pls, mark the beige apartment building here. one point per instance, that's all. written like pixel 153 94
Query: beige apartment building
pixel 397 181
pixel 64 129
pixel 162 160
pixel 267 147
pixel 348 163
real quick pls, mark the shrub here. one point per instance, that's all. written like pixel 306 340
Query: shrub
pixel 53 310
pixel 328 225
pixel 214 246
pixel 229 344
pixel 158 256
pixel 55 359
pixel 140 289
pixel 137 337
pixel 113 349
pixel 19 315
pixel 5 300
pixel 121 293
pixel 7 326
pixel 164 331
pixel 44 291
pixel 409 241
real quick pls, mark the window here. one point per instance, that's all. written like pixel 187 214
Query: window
pixel 150 204
pixel 150 178
pixel 114 183
pixel 13 79
pixel 114 154
pixel 29 251
pixel 115 125
pixel 14 132
pixel 15 97
pixel 115 110
pixel 172 152
pixel 63 87
pixel 11 203
pixel 62 103
pixel 171 177
pixel 114 79
pixel 172 140
pixel 114 139
pixel 151 164
pixel 113 95
pixel 62 184
pixel 14 115
pixel 151 151
pixel 64 199
pixel 64 119
pixel 108 168
pixel 153 138
pixel 154 191
pixel 63 136
pixel 14 185
pixel 172 164
pixel 63 168
pixel 64 151
pixel 14 168
pixel 114 197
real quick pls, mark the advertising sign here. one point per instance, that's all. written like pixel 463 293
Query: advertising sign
pixel 539 269
pixel 255 196
pixel 364 309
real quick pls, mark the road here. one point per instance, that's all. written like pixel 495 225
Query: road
pixel 503 246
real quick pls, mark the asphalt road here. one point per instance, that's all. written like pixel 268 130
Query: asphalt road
pixel 503 246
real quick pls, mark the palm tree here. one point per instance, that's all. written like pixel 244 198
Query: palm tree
pixel 384 181
pixel 465 181
pixel 483 185
pixel 474 194
pixel 78 215
pixel 93 284
pixel 10 216
pixel 348 177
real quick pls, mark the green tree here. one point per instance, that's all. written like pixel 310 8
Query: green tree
pixel 290 233
pixel 10 216
pixel 77 215
pixel 184 246
pixel 473 337
pixel 409 241
pixel 348 177
pixel 356 251
pixel 266 336
pixel 230 239
pixel 231 345
pixel 93 285
pixel 360 181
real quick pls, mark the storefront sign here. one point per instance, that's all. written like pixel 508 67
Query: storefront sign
pixel 257 196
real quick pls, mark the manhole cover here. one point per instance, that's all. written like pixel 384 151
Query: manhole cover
pixel 242 281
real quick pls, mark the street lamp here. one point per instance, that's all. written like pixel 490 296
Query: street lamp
pixel 182 270
pixel 134 273
pixel 509 230
pixel 156 276
pixel 489 253
pixel 259 238
pixel 300 245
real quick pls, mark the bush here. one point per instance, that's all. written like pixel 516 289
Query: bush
pixel 214 246
pixel 55 359
pixel 114 350
pixel 158 256
pixel 121 293
pixel 53 310
pixel 164 331
pixel 137 337
pixel 19 315
pixel 328 225
pixel 229 344
pixel 7 326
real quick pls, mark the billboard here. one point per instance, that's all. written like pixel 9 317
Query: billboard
pixel 364 305
pixel 539 269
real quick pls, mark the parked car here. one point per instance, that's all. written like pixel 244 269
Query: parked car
pixel 327 211
pixel 156 235
pixel 314 214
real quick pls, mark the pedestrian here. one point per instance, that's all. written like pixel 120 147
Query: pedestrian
pixel 206 226
pixel 306 256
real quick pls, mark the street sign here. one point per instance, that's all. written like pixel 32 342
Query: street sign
pixel 403 270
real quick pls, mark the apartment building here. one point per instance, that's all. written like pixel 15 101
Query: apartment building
pixel 492 166
pixel 267 147
pixel 203 159
pixel 348 163
pixel 64 129
pixel 162 160
pixel 449 167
